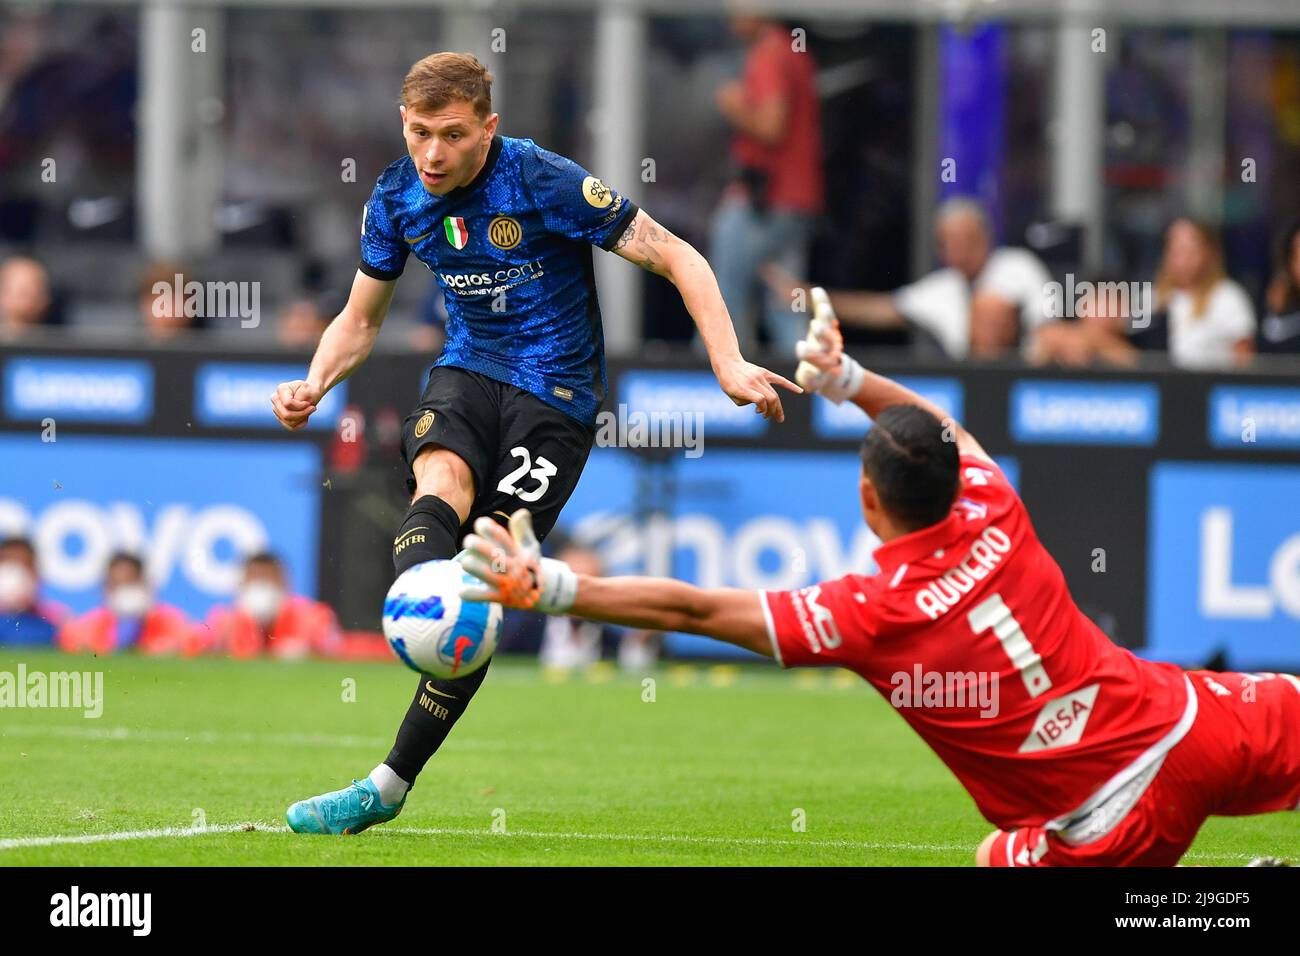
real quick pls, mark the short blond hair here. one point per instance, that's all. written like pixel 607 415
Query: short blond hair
pixel 443 78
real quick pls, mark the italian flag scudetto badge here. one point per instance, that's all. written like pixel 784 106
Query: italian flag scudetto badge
pixel 457 234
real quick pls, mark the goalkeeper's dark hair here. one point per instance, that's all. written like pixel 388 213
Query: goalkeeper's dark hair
pixel 911 458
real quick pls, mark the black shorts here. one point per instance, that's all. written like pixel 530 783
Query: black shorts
pixel 522 452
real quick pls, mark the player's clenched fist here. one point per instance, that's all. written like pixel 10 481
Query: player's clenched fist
pixel 294 402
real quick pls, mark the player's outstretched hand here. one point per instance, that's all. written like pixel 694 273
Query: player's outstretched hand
pixel 748 384
pixel 293 403
pixel 512 569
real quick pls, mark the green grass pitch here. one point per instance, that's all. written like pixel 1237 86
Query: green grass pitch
pixel 718 770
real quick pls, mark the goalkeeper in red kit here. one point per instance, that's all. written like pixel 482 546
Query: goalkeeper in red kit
pixel 1076 750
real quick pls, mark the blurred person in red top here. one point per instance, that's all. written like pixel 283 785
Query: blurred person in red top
pixel 131 618
pixel 267 619
pixel 768 210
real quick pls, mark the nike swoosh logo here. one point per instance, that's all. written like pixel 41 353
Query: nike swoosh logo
pixel 428 685
pixel 418 238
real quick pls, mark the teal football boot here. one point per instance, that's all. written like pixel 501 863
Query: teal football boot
pixel 345 811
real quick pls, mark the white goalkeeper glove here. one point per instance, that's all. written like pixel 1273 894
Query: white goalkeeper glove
pixel 512 569
pixel 818 371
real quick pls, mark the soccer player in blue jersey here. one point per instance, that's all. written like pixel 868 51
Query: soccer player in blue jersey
pixel 508 414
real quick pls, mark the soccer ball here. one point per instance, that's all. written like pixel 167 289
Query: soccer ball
pixel 431 629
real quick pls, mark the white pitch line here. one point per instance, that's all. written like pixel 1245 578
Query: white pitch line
pixel 733 841
pixel 17 843
pixel 185 832
pixel 172 832
pixel 121 734
pixel 193 736
pixel 676 838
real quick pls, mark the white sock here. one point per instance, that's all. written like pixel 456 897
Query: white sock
pixel 392 788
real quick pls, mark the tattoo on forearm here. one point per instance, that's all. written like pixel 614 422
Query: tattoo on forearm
pixel 627 236
pixel 639 246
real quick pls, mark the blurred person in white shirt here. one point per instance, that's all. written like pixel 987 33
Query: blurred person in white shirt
pixel 1211 319
pixel 1201 317
pixel 570 643
pixel 966 304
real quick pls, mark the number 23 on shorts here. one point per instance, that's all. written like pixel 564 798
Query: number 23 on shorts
pixel 540 469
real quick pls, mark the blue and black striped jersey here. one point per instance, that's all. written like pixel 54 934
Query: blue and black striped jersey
pixel 512 253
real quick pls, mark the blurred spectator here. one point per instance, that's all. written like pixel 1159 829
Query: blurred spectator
pixel 160 298
pixel 981 302
pixel 768 211
pixel 1201 317
pixel 130 619
pixel 1100 333
pixel 67 89
pixel 994 325
pixel 267 619
pixel 569 643
pixel 26 116
pixel 430 330
pixel 1210 318
pixel 1280 330
pixel 25 298
pixel 639 650
pixel 300 325
pixel 427 338
pixel 24 617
